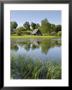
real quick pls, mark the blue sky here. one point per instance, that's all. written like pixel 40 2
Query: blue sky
pixel 21 16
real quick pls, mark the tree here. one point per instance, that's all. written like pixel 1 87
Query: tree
pixel 58 28
pixel 26 25
pixel 59 33
pixel 20 30
pixel 45 27
pixel 33 25
pixel 37 25
pixel 53 28
pixel 13 26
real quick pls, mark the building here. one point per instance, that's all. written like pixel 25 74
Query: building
pixel 36 32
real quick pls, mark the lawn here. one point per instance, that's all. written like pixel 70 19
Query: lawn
pixel 32 36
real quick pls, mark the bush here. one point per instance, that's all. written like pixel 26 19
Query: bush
pixel 20 30
pixel 59 33
pixel 27 32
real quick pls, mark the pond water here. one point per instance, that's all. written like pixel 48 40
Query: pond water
pixel 37 49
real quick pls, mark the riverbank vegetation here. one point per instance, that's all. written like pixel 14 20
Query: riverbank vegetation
pixel 22 68
pixel 45 28
pixel 32 37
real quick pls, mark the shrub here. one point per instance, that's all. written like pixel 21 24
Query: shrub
pixel 20 30
pixel 59 33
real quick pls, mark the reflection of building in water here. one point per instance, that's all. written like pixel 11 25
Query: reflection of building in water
pixel 29 44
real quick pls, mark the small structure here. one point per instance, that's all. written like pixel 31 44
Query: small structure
pixel 36 32
pixel 53 33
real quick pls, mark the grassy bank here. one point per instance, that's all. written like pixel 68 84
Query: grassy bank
pixel 22 68
pixel 31 36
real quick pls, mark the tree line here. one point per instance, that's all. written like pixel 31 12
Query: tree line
pixel 46 28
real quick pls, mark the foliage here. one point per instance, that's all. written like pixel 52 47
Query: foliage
pixel 33 25
pixel 58 28
pixel 14 46
pixel 38 25
pixel 22 68
pixel 53 28
pixel 59 33
pixel 20 30
pixel 26 25
pixel 45 27
pixel 13 25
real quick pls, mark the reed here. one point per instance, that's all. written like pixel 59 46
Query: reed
pixel 22 68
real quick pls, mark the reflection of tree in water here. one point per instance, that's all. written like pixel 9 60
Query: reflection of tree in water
pixel 25 44
pixel 27 47
pixel 45 45
pixel 30 44
pixel 21 43
pixel 14 47
pixel 55 43
pixel 58 43
pixel 35 44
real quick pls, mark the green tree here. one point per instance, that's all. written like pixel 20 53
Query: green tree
pixel 26 25
pixel 59 33
pixel 13 26
pixel 33 25
pixel 53 28
pixel 45 27
pixel 37 25
pixel 20 30
pixel 58 28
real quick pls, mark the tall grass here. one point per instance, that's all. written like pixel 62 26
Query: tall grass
pixel 22 68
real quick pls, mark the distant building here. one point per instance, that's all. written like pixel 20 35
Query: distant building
pixel 53 33
pixel 36 32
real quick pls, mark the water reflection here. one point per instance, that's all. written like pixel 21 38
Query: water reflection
pixel 44 49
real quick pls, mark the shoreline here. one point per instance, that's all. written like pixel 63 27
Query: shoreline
pixel 30 36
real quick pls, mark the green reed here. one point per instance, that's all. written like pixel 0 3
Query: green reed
pixel 26 68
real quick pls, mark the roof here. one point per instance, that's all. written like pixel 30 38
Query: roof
pixel 52 32
pixel 35 31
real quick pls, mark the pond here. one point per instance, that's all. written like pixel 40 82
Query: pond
pixel 31 51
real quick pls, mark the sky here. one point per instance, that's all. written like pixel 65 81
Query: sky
pixel 21 16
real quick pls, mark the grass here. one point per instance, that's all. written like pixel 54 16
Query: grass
pixel 22 68
pixel 32 36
